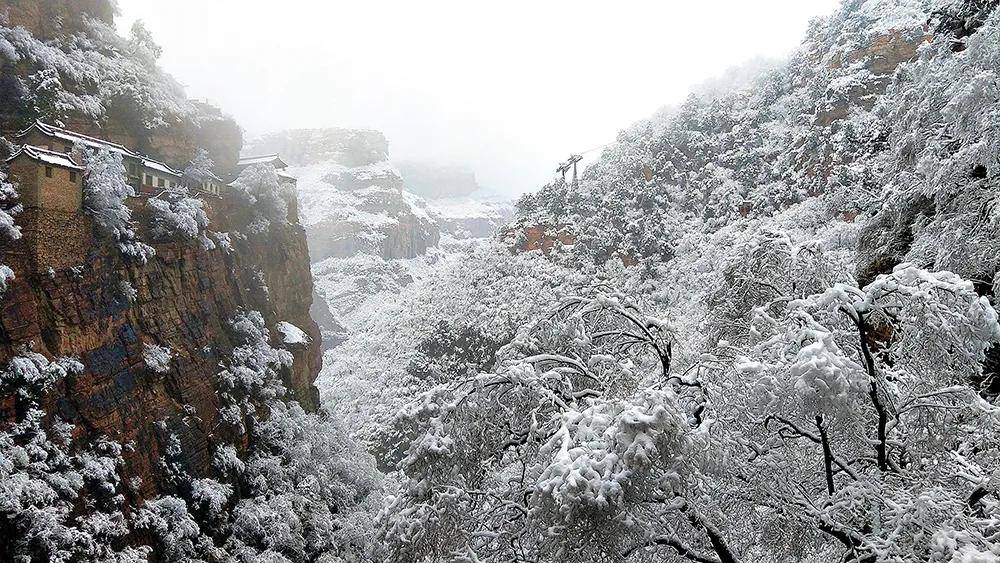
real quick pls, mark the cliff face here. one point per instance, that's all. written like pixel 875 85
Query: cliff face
pixel 74 294
pixel 378 221
pixel 351 196
pixel 347 147
pixel 184 298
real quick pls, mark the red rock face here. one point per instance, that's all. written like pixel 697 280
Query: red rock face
pixel 541 237
pixel 186 295
pixel 545 237
pixel 882 57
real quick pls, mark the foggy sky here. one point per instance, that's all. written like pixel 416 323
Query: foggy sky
pixel 507 87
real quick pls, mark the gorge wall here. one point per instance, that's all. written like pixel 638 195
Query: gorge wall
pixel 352 199
pixel 71 68
pixel 80 297
pixel 184 299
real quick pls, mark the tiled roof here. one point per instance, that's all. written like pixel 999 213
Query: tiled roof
pixel 159 167
pixel 272 159
pixel 74 137
pixel 48 157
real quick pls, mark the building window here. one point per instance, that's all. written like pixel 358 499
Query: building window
pixel 72 176
pixel 48 171
pixel 159 182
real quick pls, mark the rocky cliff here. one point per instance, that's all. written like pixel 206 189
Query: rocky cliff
pixel 183 300
pixel 75 295
pixel 50 19
pixel 347 147
pixel 438 181
pixel 352 199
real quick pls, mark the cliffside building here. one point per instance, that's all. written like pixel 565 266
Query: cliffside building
pixel 57 139
pixel 213 185
pixel 157 176
pixel 287 182
pixel 148 176
pixel 49 170
pixel 50 187
pixel 248 161
pixel 47 179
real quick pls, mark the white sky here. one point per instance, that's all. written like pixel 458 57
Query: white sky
pixel 507 87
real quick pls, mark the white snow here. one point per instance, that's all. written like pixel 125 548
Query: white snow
pixel 49 157
pixel 292 334
pixel 157 357
pixel 159 167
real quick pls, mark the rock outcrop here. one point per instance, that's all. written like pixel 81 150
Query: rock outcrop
pixel 378 221
pixel 348 147
pixel 469 218
pixel 47 19
pixel 61 74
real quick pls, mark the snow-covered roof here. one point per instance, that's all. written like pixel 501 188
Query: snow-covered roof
pixel 48 157
pixel 272 159
pixel 73 137
pixel 158 166
pixel 286 177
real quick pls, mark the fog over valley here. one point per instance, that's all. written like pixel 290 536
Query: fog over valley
pixel 520 282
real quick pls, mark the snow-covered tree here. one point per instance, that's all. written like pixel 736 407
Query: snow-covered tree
pixel 93 73
pixel 252 374
pixel 9 231
pixel 299 489
pixel 583 444
pixel 58 501
pixel 105 190
pixel 199 169
pixel 175 214
pixel 860 421
pixel 260 188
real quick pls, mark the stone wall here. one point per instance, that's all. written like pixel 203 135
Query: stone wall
pixel 62 191
pixel 56 239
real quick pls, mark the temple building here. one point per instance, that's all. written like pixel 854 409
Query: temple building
pixel 47 179
pixel 148 176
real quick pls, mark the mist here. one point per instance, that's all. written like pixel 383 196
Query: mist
pixel 507 89
pixel 347 310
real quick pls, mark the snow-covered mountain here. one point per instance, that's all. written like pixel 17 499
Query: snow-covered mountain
pixel 368 234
